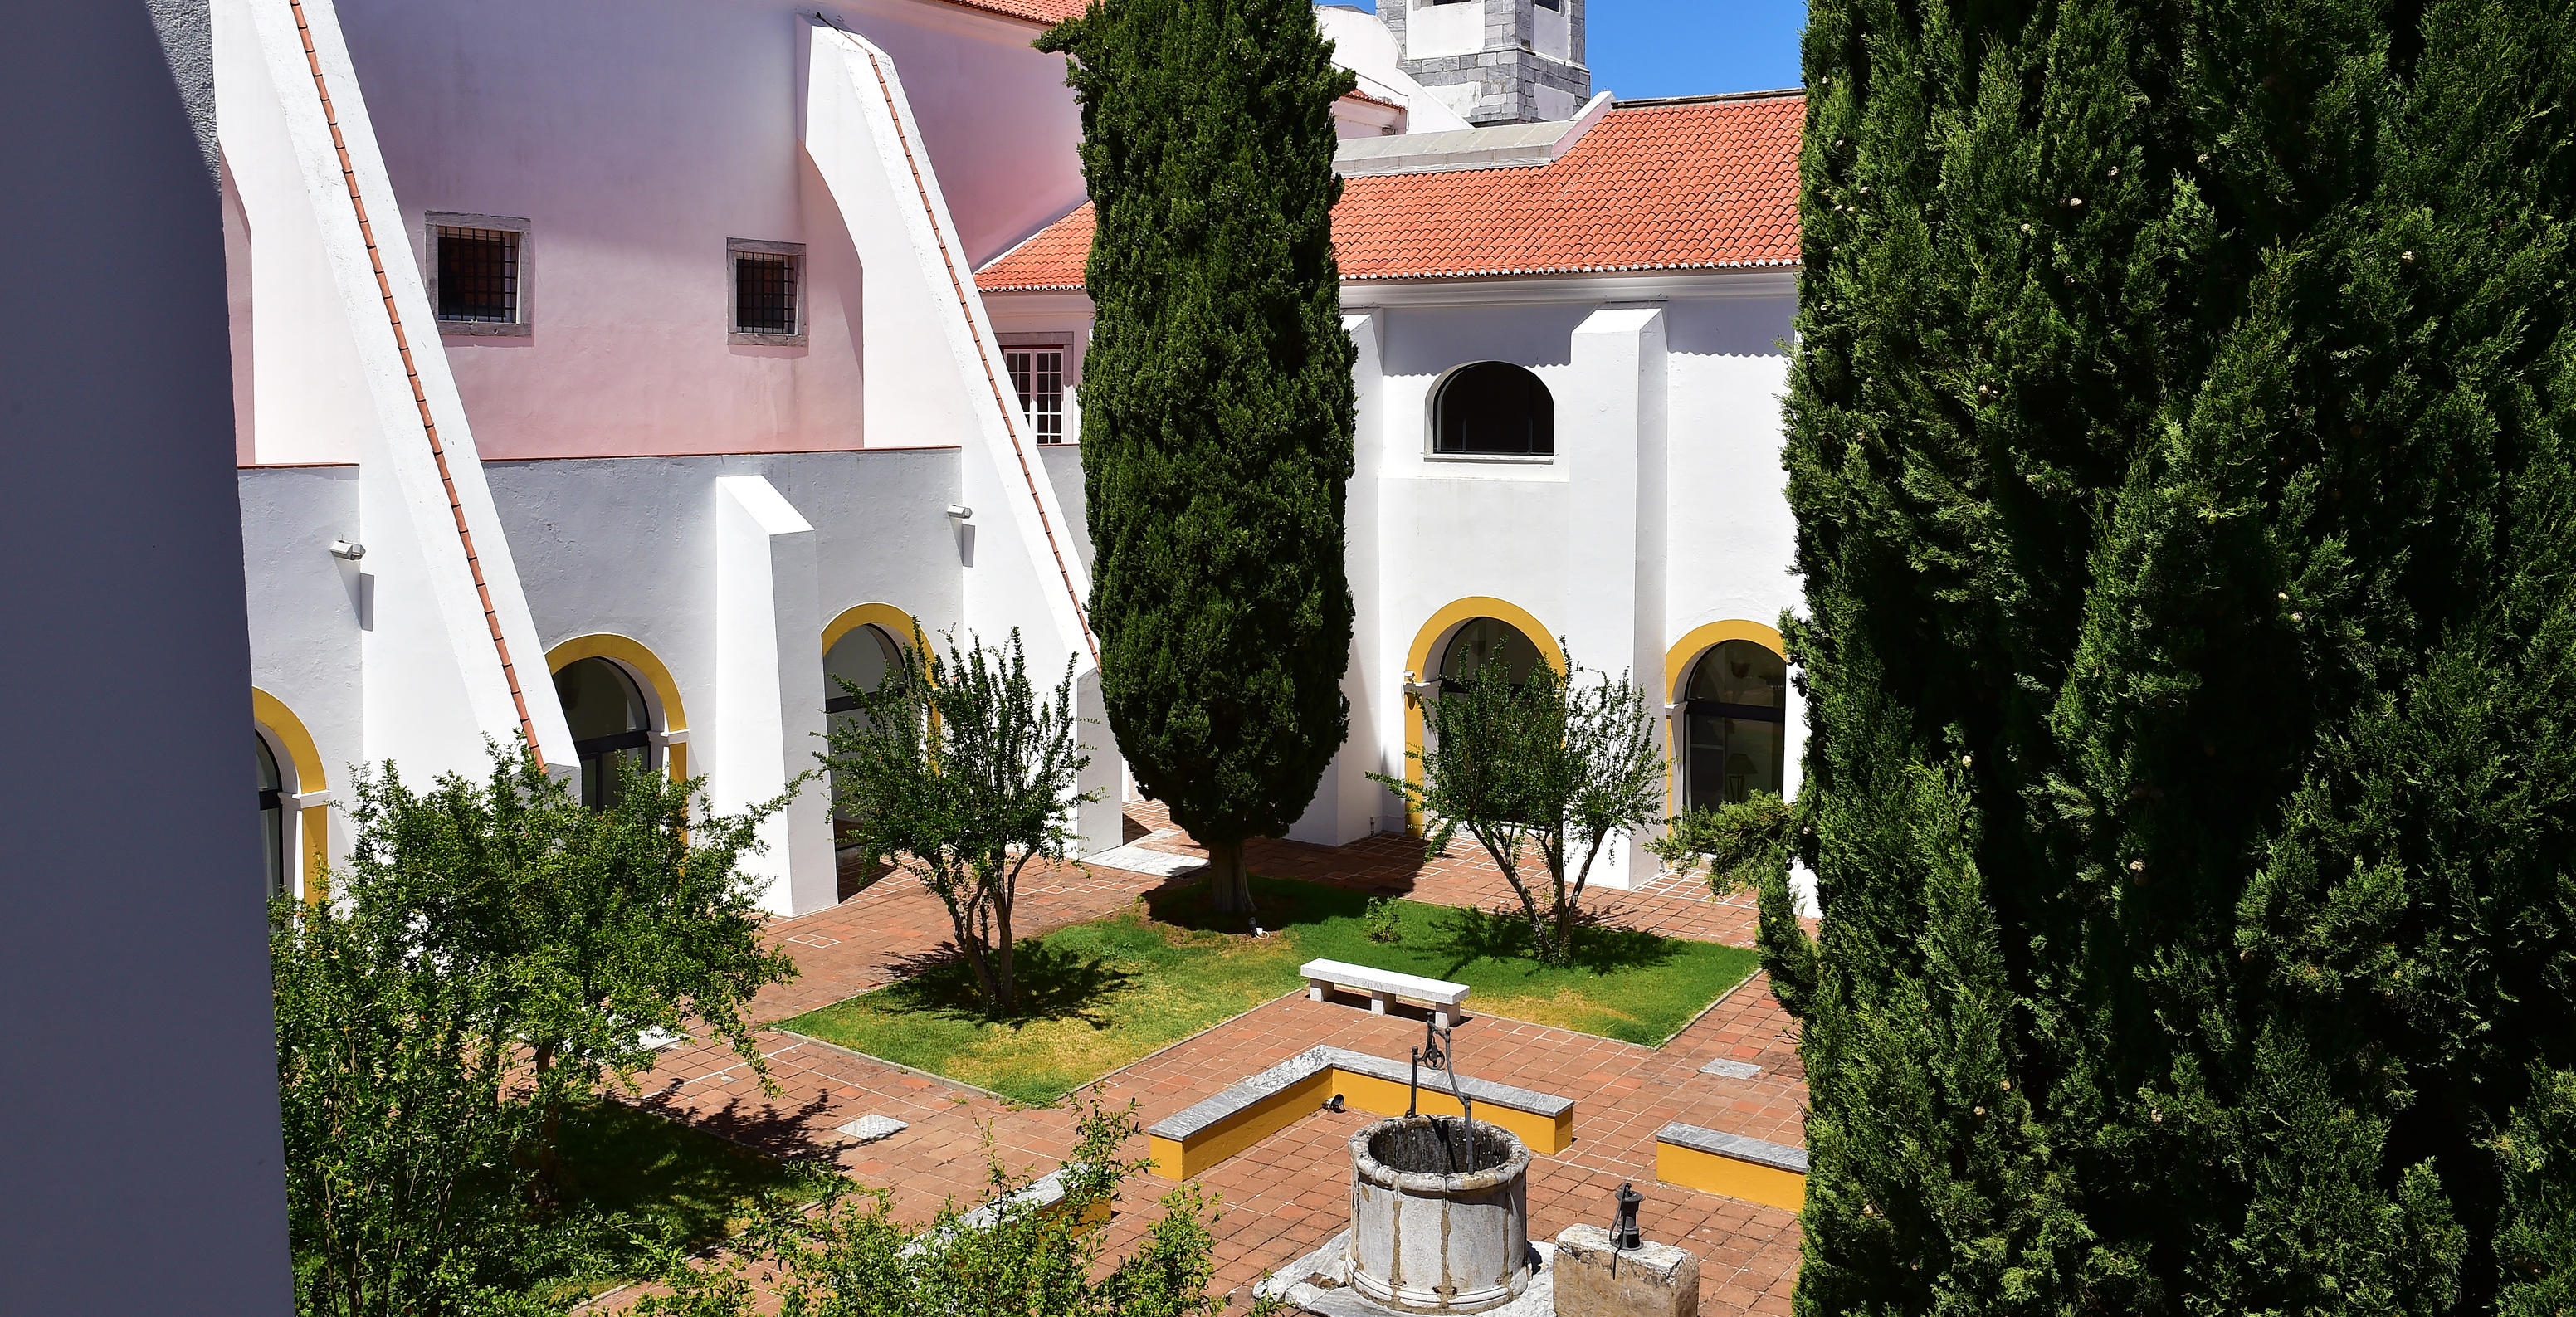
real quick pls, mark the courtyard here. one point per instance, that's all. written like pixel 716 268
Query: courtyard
pixel 1285 1195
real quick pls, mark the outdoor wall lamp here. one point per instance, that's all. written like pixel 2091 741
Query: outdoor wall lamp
pixel 346 551
pixel 960 511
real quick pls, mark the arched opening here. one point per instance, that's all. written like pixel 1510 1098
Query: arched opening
pixel 1736 725
pixel 1481 641
pixel 862 657
pixel 611 724
pixel 273 826
pixel 1495 409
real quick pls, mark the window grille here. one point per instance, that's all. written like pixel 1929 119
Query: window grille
pixel 764 293
pixel 1038 373
pixel 478 275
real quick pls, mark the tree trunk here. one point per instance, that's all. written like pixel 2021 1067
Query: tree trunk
pixel 1003 951
pixel 1229 884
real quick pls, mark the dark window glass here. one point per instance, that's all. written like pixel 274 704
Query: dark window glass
pixel 862 658
pixel 272 817
pixel 764 293
pixel 1482 641
pixel 609 725
pixel 478 275
pixel 1496 408
pixel 1736 715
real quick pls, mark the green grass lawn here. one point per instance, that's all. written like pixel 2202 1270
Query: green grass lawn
pixel 1105 993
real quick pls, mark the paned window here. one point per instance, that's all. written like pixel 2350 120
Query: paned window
pixel 767 292
pixel 764 293
pixel 1494 409
pixel 1038 373
pixel 1737 712
pixel 478 275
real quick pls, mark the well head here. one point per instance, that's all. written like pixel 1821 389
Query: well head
pixel 1439 1214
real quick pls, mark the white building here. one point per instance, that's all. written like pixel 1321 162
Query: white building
pixel 608 372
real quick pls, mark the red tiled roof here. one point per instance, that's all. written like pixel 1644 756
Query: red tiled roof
pixel 1049 12
pixel 1690 186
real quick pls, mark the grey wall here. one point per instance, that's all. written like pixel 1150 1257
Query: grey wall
pixel 141 1172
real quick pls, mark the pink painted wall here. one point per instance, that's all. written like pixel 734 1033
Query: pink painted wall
pixel 636 136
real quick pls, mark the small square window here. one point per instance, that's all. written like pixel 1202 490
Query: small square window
pixel 767 293
pixel 478 273
pixel 1038 373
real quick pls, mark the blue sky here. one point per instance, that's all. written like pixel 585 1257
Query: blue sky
pixel 1640 48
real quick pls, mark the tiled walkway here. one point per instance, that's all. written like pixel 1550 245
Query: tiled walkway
pixel 1286 1196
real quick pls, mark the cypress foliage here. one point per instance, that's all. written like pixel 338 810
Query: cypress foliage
pixel 2180 440
pixel 1217 407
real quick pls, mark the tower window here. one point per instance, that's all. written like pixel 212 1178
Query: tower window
pixel 1038 373
pixel 768 287
pixel 478 273
pixel 1494 409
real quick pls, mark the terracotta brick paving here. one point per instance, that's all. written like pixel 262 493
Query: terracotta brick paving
pixel 1287 1195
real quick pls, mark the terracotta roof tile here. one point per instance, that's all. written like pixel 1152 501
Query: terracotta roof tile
pixel 1049 12
pixel 1693 185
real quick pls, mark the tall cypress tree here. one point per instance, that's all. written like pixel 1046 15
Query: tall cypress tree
pixel 1217 407
pixel 2180 436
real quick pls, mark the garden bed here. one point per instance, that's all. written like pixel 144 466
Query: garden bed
pixel 1103 994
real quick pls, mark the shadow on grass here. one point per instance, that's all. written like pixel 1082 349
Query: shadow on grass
pixel 1464 935
pixel 1280 903
pixel 1051 984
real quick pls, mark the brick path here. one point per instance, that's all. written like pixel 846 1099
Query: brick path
pixel 1287 1195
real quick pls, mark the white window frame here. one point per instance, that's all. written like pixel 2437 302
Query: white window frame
pixel 795 253
pixel 1063 388
pixel 523 297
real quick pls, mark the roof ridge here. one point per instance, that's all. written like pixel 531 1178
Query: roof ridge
pixel 1708 98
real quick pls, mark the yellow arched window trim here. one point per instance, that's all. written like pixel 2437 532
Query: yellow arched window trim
pixel 313 822
pixel 893 621
pixel 1677 665
pixel 1417 665
pixel 644 663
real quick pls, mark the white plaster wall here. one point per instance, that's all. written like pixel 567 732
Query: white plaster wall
pixel 1433 30
pixel 633 547
pixel 308 386
pixel 436 686
pixel 308 610
pixel 769 690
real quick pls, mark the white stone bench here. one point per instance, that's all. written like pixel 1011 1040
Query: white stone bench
pixel 1383 986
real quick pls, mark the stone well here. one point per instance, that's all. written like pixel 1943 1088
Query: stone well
pixel 1438 1226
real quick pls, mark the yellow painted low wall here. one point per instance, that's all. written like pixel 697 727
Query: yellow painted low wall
pixel 1710 1173
pixel 1179 1159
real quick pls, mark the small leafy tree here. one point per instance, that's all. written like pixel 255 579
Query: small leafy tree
pixel 1555 763
pixel 400 1140
pixel 1012 1256
pixel 607 923
pixel 962 774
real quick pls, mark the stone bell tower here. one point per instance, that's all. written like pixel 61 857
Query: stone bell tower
pixel 1495 61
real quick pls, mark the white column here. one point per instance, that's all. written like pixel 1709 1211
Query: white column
pixel 769 689
pixel 1610 431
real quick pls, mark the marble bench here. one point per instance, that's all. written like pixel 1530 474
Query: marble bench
pixel 1187 1142
pixel 1383 986
pixel 1773 1174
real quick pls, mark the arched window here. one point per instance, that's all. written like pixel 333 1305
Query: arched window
pixel 610 724
pixel 272 818
pixel 863 658
pixel 1497 409
pixel 1486 640
pixel 1736 710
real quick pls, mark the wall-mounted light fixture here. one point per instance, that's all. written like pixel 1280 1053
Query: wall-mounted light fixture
pixel 346 551
pixel 960 511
